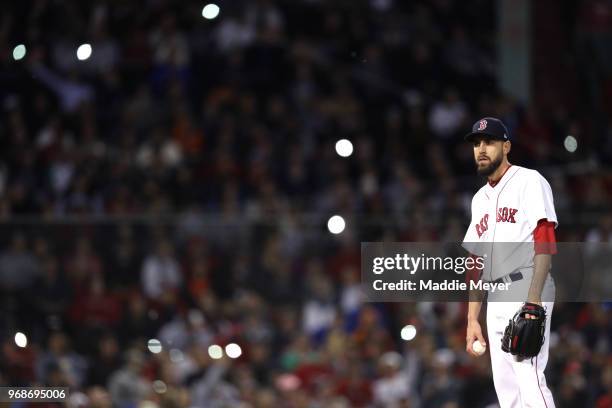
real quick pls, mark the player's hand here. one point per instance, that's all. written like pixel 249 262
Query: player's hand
pixel 537 302
pixel 474 332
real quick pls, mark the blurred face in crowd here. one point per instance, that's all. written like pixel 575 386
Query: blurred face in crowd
pixel 108 346
pixel 57 343
pixel 99 398
pixel 489 154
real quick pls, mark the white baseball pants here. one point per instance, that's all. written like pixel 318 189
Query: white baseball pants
pixel 519 383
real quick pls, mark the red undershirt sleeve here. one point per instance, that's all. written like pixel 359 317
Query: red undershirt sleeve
pixel 544 237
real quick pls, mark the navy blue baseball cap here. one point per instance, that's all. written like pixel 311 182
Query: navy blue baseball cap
pixel 489 127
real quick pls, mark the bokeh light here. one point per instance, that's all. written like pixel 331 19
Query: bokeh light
pixel 408 332
pixel 21 340
pixel 154 346
pixel 570 143
pixel 19 52
pixel 215 351
pixel 210 11
pixel 344 147
pixel 84 52
pixel 336 224
pixel 159 386
pixel 233 350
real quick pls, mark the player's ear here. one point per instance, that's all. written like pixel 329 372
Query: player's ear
pixel 507 147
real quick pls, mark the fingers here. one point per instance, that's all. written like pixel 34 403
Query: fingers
pixel 470 350
pixel 481 339
pixel 472 336
pixel 473 333
pixel 468 346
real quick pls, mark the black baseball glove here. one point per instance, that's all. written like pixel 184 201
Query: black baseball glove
pixel 524 336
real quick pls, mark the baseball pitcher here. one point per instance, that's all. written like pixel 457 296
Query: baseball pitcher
pixel 514 206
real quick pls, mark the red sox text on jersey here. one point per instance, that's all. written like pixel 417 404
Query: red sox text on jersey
pixel 504 214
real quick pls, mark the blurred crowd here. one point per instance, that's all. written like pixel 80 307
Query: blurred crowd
pixel 94 299
pixel 241 113
pixel 176 185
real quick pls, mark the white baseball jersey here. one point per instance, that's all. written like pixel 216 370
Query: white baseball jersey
pixel 508 212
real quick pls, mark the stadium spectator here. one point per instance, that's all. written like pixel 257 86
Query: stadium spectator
pixel 161 273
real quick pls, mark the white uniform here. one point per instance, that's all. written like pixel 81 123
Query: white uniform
pixel 509 212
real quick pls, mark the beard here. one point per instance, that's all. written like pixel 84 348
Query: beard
pixel 487 170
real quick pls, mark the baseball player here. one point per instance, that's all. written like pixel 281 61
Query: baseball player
pixel 514 206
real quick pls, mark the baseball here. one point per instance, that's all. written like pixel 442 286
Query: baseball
pixel 478 348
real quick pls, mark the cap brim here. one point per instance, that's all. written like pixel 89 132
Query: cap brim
pixel 472 135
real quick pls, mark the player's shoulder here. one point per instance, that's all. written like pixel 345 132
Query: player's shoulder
pixel 526 174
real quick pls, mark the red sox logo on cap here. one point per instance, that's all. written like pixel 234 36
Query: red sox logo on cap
pixel 482 125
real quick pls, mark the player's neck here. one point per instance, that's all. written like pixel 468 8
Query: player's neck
pixel 499 173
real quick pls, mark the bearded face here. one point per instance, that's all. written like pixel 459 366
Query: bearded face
pixel 488 155
pixel 487 166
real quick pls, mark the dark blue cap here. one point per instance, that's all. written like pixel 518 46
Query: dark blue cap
pixel 489 127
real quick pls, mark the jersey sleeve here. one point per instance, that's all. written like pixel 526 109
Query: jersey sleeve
pixel 538 201
pixel 544 238
pixel 470 235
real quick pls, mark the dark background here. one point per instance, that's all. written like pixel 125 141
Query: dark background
pixel 177 185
